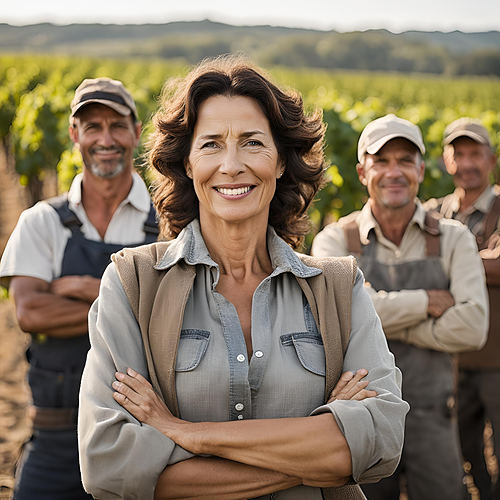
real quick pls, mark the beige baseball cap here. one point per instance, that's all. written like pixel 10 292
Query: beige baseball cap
pixel 466 127
pixel 380 131
pixel 105 91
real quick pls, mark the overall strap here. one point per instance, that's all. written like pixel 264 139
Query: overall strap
pixel 432 232
pixel 352 238
pixel 490 223
pixel 68 218
pixel 151 226
pixel 432 242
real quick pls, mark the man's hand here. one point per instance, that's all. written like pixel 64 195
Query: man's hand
pixel 492 250
pixel 493 241
pixel 491 261
pixel 439 302
pixel 76 287
pixel 490 253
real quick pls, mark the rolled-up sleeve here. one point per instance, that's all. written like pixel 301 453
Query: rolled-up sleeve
pixel 373 428
pixel 464 326
pixel 119 456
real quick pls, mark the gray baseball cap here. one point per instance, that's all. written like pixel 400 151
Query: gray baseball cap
pixel 466 127
pixel 105 91
pixel 378 132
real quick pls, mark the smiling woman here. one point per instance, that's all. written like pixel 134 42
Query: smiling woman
pixel 278 123
pixel 216 363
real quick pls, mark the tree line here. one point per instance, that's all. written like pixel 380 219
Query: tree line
pixel 454 53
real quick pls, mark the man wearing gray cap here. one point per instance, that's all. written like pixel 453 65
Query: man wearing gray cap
pixel 469 158
pixel 53 263
pixel 426 281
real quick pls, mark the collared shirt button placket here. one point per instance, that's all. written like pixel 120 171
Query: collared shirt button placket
pixel 238 366
pixel 239 407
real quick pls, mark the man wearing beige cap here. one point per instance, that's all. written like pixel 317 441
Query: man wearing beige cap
pixel 469 158
pixel 427 283
pixel 53 263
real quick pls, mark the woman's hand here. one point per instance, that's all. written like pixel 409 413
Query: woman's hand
pixel 351 387
pixel 137 396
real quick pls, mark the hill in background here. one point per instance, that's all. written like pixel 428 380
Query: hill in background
pixel 453 53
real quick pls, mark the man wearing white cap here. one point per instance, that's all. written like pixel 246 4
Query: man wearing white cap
pixel 426 280
pixel 469 158
pixel 53 263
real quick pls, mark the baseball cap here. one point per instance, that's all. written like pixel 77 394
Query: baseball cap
pixel 466 127
pixel 105 91
pixel 380 131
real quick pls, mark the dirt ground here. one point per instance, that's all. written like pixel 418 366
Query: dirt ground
pixel 14 393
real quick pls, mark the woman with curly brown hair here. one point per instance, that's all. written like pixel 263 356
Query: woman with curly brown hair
pixel 216 360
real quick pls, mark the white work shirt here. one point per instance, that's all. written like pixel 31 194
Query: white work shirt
pixel 36 246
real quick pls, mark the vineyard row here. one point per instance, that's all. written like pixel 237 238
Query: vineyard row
pixel 35 93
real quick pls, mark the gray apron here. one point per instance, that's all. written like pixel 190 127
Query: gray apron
pixel 431 464
pixel 427 374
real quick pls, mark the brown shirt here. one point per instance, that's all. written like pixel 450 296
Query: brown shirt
pixel 473 217
pixel 449 207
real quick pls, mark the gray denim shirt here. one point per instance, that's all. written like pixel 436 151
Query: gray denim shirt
pixel 285 376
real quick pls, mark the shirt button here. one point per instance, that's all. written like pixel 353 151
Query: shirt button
pixel 259 354
pixel 398 254
pixel 240 358
pixel 239 406
pixel 240 417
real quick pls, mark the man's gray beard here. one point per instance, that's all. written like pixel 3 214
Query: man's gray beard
pixel 99 171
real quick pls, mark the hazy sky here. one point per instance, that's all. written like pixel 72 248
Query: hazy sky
pixel 342 15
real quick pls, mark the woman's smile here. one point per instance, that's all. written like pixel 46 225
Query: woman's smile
pixel 234 192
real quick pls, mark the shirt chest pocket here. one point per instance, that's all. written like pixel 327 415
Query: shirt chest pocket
pixel 308 347
pixel 193 344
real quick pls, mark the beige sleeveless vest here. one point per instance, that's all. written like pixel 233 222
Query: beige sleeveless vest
pixel 158 299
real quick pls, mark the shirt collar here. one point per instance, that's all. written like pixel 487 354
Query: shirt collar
pixel 484 200
pixel 138 195
pixel 75 191
pixel 367 221
pixel 190 247
pixel 482 203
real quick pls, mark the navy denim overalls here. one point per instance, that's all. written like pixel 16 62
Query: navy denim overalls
pixel 49 469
